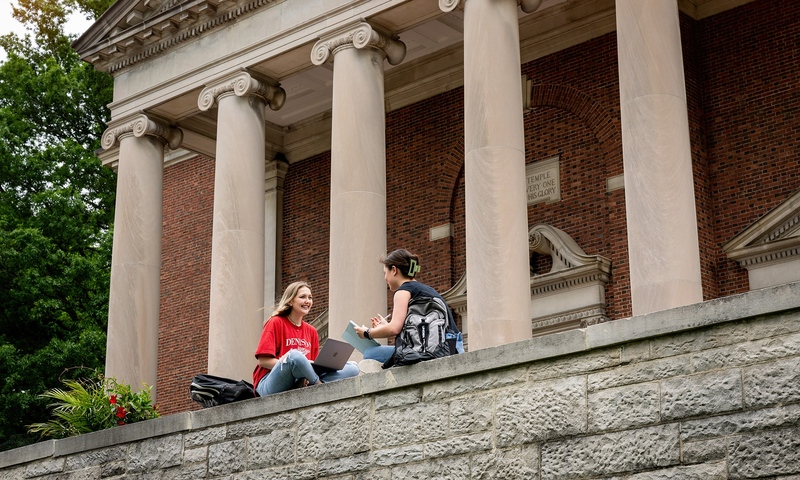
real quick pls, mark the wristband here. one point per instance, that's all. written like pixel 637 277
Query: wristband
pixel 366 334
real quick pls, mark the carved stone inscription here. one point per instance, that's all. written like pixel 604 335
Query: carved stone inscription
pixel 543 181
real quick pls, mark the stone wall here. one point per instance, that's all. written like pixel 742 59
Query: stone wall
pixel 709 391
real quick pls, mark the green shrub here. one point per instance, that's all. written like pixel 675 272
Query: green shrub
pixel 93 404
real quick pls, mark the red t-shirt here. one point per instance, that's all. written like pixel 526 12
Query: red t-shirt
pixel 279 336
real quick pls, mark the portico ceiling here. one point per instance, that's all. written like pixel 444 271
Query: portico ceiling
pixel 134 33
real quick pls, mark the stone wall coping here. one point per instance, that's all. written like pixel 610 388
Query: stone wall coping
pixel 718 311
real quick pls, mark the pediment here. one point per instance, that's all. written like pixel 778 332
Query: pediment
pixel 773 238
pixel 132 30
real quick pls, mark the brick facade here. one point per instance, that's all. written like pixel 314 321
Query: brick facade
pixel 743 101
pixel 185 280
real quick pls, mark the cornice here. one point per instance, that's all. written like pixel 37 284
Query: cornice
pixel 360 36
pixel 140 125
pixel 773 238
pixel 176 24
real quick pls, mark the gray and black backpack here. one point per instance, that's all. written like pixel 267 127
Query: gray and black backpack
pixel 428 333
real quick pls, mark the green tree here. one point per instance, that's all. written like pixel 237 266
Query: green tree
pixel 56 212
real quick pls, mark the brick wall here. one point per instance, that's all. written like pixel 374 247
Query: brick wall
pixel 751 72
pixel 306 227
pixel 743 101
pixel 185 280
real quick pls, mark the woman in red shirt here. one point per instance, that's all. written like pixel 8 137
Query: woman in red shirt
pixel 288 344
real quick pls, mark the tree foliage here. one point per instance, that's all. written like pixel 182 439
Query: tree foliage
pixel 56 213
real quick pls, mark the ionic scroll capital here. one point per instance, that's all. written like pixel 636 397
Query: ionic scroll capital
pixel 242 84
pixel 528 6
pixel 360 36
pixel 140 125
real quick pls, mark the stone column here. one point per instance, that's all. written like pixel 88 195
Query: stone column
pixel 273 231
pixel 134 298
pixel 659 192
pixel 494 175
pixel 237 245
pixel 356 288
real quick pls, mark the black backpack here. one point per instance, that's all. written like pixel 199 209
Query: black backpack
pixel 210 390
pixel 428 333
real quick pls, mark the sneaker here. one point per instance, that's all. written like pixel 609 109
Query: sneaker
pixel 370 366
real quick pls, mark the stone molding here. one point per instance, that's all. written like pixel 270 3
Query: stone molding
pixel 528 6
pixel 566 253
pixel 140 125
pixel 572 294
pixel 361 35
pixel 772 238
pixel 242 84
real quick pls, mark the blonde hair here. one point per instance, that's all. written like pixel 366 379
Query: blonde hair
pixel 284 306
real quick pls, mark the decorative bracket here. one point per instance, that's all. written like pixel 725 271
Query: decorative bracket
pixel 243 83
pixel 140 125
pixel 360 36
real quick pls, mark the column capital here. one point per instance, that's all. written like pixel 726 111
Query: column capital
pixel 243 83
pixel 528 6
pixel 140 125
pixel 361 35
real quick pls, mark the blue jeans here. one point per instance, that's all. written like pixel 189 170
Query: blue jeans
pixel 294 366
pixel 380 353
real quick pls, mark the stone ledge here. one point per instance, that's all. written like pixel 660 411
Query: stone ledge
pixel 715 312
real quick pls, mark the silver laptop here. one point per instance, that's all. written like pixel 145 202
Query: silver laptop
pixel 333 356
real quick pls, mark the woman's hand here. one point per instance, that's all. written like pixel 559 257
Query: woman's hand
pixel 379 320
pixel 360 331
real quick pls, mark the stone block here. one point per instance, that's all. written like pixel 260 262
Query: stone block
pixel 206 436
pixel 772 383
pixel 96 457
pixel 374 474
pixel 472 414
pixel 521 463
pixel 399 455
pixel 541 411
pixel 612 453
pixel 644 372
pixel 47 466
pixel 723 425
pixel 747 353
pixel 334 430
pixel 258 426
pixel 481 382
pixel 575 364
pixel 272 449
pixel 451 468
pixel 635 352
pixel 185 472
pixel 711 471
pixel 154 454
pixel 465 444
pixel 298 471
pixel 195 455
pixel 703 394
pixel 226 457
pixel 26 454
pixel 714 336
pixel 765 454
pixel 344 465
pixel 777 324
pixel 418 423
pixel 625 407
pixel 396 398
pixel 704 451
